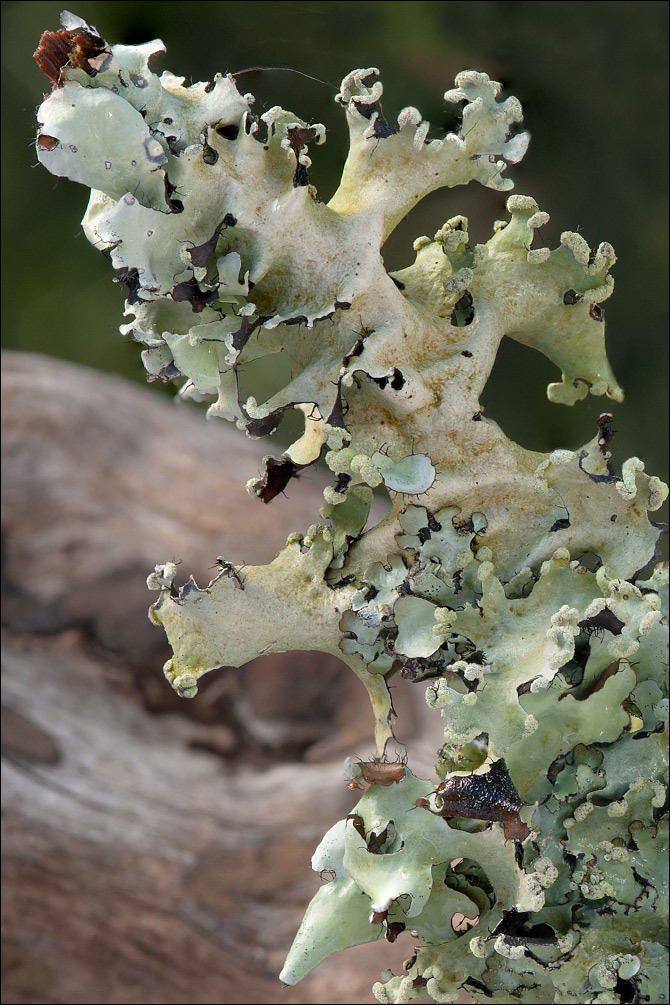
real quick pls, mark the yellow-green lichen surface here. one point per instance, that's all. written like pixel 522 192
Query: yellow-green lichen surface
pixel 521 588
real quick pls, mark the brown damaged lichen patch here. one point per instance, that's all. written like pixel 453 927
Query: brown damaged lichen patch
pixel 191 292
pixel 382 772
pixel 298 138
pixel 78 48
pixel 45 142
pixel 487 796
pixel 278 473
pixel 202 255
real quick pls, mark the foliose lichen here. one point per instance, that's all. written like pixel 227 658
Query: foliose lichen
pixel 512 582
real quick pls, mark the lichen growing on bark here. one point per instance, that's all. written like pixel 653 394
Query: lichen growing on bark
pixel 511 582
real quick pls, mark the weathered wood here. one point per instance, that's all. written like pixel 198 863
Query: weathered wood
pixel 155 850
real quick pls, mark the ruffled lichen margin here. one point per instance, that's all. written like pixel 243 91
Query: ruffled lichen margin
pixel 521 587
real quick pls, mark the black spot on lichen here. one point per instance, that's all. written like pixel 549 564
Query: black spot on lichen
pixel 433 524
pixel 342 482
pixel 395 380
pixel 571 297
pixel 597 312
pixel 559 525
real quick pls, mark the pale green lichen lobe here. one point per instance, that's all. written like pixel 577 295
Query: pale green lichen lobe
pixel 520 587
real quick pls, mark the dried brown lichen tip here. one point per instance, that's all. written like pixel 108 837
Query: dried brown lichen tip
pixel 72 46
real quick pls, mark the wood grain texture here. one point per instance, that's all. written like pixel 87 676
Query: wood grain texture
pixel 156 850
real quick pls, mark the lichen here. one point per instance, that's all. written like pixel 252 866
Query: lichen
pixel 512 582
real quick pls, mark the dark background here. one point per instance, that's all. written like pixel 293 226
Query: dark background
pixel 591 78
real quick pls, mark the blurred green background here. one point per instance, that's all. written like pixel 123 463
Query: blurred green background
pixel 590 75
